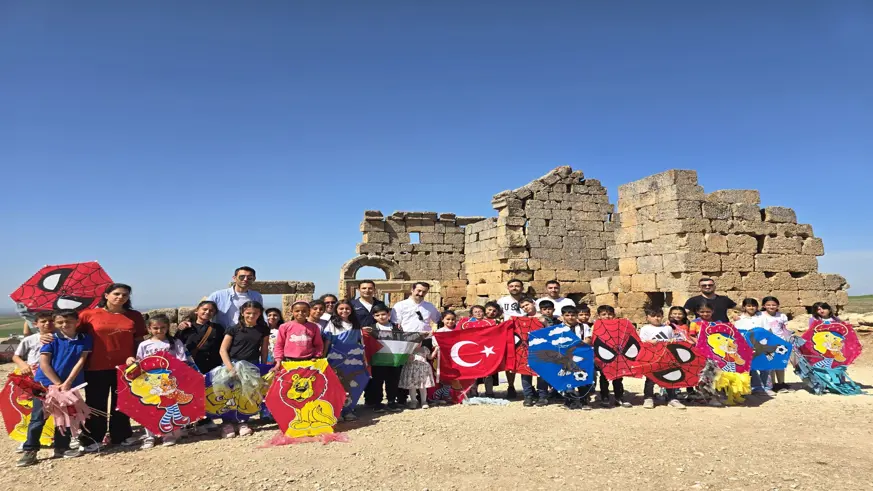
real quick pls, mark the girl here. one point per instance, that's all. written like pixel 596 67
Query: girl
pixel 160 340
pixel 477 313
pixel 417 374
pixel 443 395
pixel 821 311
pixel 246 341
pixel 203 338
pixel 343 330
pixel 777 323
pixel 751 316
pixel 274 320
pixel 678 319
pixel 704 316
pixel 494 313
pixel 117 330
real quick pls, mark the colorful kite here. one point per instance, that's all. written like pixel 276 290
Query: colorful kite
pixel 346 357
pixel 306 398
pixel 723 343
pixel 391 348
pixel 671 365
pixel 559 356
pixel 616 347
pixel 75 286
pixel 16 403
pixel 233 400
pixel 161 393
pixel 521 328
pixel 831 344
pixel 770 352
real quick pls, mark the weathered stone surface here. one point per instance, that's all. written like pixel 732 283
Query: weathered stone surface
pixel 733 196
pixel 779 214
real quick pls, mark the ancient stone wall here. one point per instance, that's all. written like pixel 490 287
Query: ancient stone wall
pixel 556 227
pixel 437 255
pixel 672 233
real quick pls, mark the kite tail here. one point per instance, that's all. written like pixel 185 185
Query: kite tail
pixel 735 386
pixel 835 380
pixel 706 383
pixel 247 378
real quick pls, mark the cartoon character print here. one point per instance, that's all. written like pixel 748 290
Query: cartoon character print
pixel 68 286
pixel 673 364
pixel 724 344
pixel 154 384
pixel 19 405
pixel 301 389
pixel 830 345
pixel 726 348
pixel 616 347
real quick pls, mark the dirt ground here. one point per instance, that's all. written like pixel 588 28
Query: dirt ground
pixel 794 441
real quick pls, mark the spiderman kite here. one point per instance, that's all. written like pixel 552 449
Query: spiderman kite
pixel 616 348
pixel 77 286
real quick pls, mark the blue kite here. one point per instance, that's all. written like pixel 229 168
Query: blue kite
pixel 771 351
pixel 558 355
pixel 346 357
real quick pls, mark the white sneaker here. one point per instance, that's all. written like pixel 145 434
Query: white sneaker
pixel 244 430
pixel 412 404
pixel 131 441
pixel 20 448
pixel 168 442
pixel 425 406
pixel 675 404
pixel 649 404
pixel 148 443
pixel 227 431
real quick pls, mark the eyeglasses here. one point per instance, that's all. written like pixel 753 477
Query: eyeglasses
pixel 246 276
pixel 707 284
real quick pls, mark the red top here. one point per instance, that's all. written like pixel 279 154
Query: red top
pixel 115 336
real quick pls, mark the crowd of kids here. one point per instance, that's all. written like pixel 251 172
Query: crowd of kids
pixel 262 336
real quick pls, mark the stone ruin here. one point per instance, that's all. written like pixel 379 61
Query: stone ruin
pixel 666 234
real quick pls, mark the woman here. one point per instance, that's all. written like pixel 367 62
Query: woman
pixel 117 330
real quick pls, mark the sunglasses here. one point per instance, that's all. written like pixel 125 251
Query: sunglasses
pixel 246 276
pixel 707 284
pixel 420 317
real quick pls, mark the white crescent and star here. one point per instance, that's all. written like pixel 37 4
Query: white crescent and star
pixel 456 355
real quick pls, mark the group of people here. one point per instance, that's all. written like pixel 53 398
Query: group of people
pixel 232 325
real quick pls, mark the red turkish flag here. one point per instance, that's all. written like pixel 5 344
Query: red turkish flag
pixel 472 353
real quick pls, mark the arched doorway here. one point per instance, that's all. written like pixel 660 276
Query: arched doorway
pixel 395 285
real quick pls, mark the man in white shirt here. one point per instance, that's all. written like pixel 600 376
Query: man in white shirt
pixel 553 288
pixel 510 303
pixel 415 314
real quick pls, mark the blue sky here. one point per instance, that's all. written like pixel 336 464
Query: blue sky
pixel 174 141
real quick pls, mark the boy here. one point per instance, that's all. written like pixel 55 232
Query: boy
pixel 656 332
pixel 26 356
pixel 529 307
pixel 607 312
pixel 387 375
pixel 570 315
pixel 547 313
pixel 60 363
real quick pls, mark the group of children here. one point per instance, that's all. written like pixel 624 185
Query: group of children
pixel 262 336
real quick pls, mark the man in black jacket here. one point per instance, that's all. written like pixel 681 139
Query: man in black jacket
pixel 365 302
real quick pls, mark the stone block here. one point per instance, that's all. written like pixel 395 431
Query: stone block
pixel 372 214
pixel 782 281
pixel 686 225
pixel 369 248
pixel 595 265
pixel 771 263
pixel 464 221
pixel 716 243
pixel 376 237
pixel 810 281
pixel 834 282
pixel 748 227
pixel 644 283
pixel 372 226
pixel 172 313
pixel 691 261
pixel 779 214
pixel 737 262
pixel 650 264
pixel 813 246
pixel 727 280
pixel 628 266
pixel 781 245
pixel 677 209
pixel 742 211
pixel 635 300
pixel 717 211
pixel 734 196
pixel 610 299
pixel 742 244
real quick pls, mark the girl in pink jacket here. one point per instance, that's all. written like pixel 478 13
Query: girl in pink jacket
pixel 298 339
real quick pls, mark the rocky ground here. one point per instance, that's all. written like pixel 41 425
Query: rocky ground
pixel 794 441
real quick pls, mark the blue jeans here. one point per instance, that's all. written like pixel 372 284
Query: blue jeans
pixel 760 380
pixel 34 430
pixel 542 390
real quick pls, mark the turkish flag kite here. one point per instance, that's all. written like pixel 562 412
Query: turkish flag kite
pixel 473 353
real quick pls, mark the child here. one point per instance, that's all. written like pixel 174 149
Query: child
pixel 274 320
pixel 777 323
pixel 528 306
pixel 540 397
pixel 316 311
pixel 386 376
pixel 60 363
pixel 494 313
pixel 343 330
pixel 656 332
pixel 607 312
pixel 246 341
pixel 203 342
pixel 417 374
pixel 443 395
pixel 704 314
pixel 679 322
pixel 821 311
pixel 161 340
pixel 570 314
pixel 751 316
pixel 477 313
pixel 27 354
pixel 300 338
pixel 547 313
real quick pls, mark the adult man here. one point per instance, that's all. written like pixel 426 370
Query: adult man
pixel 330 300
pixel 229 300
pixel 365 302
pixel 720 303
pixel 510 303
pixel 553 289
pixel 415 314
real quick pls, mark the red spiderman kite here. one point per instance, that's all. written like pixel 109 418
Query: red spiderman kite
pixel 75 286
pixel 616 348
pixel 671 365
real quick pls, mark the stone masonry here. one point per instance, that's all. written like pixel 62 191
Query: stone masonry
pixel 672 233
pixel 667 234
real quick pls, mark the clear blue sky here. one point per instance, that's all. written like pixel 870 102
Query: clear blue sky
pixel 173 141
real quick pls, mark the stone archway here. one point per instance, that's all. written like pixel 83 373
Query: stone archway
pixel 348 283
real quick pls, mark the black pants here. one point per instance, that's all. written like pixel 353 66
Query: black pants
pixel 617 387
pixel 387 376
pixel 101 385
pixel 649 390
pixel 35 427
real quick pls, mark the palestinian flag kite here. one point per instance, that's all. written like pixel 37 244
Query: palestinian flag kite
pixel 391 348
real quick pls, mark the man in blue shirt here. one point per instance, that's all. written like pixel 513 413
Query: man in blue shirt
pixel 231 299
pixel 61 363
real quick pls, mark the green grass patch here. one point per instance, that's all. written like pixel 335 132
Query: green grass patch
pixel 10 325
pixel 860 304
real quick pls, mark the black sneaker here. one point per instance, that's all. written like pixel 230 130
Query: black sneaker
pixel 542 402
pixel 27 458
pixel 605 402
pixel 394 407
pixel 379 408
pixel 59 453
pixel 511 393
pixel 528 402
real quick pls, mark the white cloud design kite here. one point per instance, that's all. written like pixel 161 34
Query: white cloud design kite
pixel 534 342
pixel 559 330
pixel 561 340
